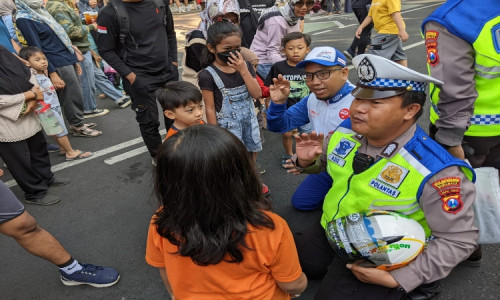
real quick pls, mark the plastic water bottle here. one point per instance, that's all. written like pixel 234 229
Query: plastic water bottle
pixel 49 122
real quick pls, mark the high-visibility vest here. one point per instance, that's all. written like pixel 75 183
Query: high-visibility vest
pixel 393 184
pixel 478 23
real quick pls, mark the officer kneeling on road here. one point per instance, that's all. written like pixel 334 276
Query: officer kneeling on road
pixel 380 159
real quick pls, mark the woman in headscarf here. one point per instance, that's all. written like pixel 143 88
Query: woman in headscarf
pixel 6 9
pixel 274 24
pixel 22 144
pixel 41 30
pixel 196 39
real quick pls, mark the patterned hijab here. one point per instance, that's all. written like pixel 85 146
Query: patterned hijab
pixel 34 10
pixel 6 7
pixel 287 11
pixel 215 8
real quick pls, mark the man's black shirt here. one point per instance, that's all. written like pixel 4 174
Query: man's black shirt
pixel 155 46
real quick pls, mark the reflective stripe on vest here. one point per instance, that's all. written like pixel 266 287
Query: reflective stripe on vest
pixel 485 120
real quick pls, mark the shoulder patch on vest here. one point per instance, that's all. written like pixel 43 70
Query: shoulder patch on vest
pixel 452 203
pixel 446 183
pixel 431 45
pixel 393 174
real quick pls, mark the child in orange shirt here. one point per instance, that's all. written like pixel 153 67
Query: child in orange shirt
pixel 214 236
pixel 181 101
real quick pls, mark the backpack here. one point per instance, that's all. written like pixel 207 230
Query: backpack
pixel 123 21
pixel 249 23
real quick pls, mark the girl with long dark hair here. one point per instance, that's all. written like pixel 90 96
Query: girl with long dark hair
pixel 214 236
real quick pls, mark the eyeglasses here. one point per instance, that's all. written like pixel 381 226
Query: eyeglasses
pixel 321 75
pixel 302 3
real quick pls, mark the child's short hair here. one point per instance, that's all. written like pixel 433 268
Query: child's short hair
pixel 27 52
pixel 175 94
pixel 296 36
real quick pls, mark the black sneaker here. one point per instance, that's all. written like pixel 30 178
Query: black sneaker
pixel 95 113
pixel 45 201
pixel 58 181
pixel 92 275
pixel 474 259
pixel 124 102
pixel 53 147
pixel 348 54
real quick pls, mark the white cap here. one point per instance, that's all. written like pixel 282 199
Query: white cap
pixel 382 78
pixel 325 56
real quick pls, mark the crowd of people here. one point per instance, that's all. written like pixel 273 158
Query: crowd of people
pixel 359 142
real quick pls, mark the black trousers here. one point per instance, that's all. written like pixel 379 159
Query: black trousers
pixel 29 163
pixel 486 149
pixel 142 94
pixel 319 261
pixel 365 37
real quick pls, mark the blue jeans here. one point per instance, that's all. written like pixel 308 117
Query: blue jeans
pixel 263 70
pixel 103 84
pixel 311 192
pixel 88 83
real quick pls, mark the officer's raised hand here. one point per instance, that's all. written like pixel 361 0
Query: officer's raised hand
pixel 308 148
pixel 279 90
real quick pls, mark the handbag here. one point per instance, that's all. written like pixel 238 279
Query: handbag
pixel 487 205
pixel 78 53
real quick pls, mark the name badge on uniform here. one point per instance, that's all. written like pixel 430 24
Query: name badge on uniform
pixel 340 151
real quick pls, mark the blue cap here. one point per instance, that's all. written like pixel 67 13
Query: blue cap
pixel 325 56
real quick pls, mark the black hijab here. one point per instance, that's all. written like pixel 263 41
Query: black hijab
pixel 14 75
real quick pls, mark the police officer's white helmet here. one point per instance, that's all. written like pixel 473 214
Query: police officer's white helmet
pixel 387 239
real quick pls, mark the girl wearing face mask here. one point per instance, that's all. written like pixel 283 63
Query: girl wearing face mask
pixel 228 85
pixel 274 24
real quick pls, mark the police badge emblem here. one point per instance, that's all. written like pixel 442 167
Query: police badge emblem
pixel 366 71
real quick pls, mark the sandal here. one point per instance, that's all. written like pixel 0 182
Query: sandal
pixel 80 155
pixel 84 131
pixel 284 162
pixel 90 125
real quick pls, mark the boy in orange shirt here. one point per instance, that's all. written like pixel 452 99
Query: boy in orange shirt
pixel 181 101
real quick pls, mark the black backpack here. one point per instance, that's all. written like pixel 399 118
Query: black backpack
pixel 123 22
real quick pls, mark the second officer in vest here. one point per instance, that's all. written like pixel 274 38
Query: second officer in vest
pixel 380 159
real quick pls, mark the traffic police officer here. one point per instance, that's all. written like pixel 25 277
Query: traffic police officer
pixel 463 50
pixel 381 159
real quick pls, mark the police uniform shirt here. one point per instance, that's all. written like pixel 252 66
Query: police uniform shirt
pixel 454 234
pixel 452 56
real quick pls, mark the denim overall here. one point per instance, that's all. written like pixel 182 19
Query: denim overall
pixel 237 113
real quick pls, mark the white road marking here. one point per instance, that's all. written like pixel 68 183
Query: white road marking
pixel 98 154
pixel 113 160
pixel 321 32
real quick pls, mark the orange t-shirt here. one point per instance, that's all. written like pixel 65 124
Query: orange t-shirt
pixel 274 258
pixel 173 130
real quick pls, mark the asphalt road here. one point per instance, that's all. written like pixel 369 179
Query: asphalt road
pixel 105 211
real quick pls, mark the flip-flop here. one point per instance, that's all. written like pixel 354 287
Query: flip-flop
pixel 80 155
pixel 284 159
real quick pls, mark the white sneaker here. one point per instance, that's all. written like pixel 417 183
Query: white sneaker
pixel 188 9
pixel 174 8
pixel 182 9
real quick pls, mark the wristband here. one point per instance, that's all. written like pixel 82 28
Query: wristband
pixel 33 93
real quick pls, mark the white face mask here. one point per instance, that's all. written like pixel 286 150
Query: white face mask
pixel 35 4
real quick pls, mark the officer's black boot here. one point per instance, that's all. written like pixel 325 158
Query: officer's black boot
pixel 425 291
